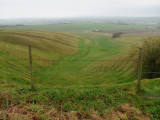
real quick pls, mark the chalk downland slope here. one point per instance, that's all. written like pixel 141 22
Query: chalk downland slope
pixel 50 42
pixel 46 45
pixel 116 69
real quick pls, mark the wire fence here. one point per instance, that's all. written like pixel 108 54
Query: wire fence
pixel 88 69
pixel 8 65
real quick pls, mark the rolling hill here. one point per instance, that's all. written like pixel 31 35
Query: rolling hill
pixel 63 59
pixel 85 76
pixel 45 46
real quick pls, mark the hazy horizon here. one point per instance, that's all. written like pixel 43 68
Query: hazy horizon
pixel 55 9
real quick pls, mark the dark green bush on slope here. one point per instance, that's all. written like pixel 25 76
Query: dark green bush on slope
pixel 151 57
pixel 117 34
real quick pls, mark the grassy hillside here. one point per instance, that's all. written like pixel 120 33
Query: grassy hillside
pixel 45 46
pixel 84 76
pixel 90 65
pixel 62 59
pixel 49 42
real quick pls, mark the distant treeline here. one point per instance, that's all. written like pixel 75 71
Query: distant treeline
pixel 11 25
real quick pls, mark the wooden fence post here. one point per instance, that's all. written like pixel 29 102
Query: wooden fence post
pixel 140 68
pixel 31 75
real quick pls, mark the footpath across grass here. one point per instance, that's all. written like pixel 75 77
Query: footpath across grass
pixel 99 102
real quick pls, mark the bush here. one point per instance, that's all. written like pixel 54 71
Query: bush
pixel 117 34
pixel 151 57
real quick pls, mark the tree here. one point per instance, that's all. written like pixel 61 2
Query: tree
pixel 151 57
pixel 117 34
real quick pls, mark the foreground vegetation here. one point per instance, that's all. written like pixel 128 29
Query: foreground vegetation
pixel 119 102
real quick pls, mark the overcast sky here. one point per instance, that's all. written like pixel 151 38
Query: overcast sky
pixel 78 8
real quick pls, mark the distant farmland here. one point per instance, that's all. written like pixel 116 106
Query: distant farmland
pixel 81 27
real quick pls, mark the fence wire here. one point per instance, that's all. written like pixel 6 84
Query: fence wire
pixel 113 68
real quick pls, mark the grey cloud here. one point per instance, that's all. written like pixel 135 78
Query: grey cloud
pixel 78 8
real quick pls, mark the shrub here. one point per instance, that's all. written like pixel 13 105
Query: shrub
pixel 151 57
pixel 117 34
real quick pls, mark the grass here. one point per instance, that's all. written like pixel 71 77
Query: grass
pixel 100 47
pixel 80 27
pixel 82 60
pixel 52 42
pixel 114 102
pixel 81 84
pixel 45 46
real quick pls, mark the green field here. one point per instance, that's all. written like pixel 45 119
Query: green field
pixel 78 74
pixel 79 58
pixel 81 27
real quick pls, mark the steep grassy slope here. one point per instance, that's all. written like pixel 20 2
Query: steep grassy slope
pixel 93 77
pixel 99 62
pixel 49 42
pixel 61 59
pixel 45 46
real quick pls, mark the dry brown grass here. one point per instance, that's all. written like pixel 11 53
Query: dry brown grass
pixel 125 112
